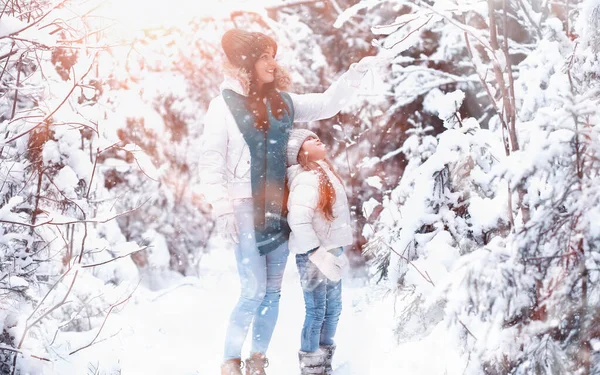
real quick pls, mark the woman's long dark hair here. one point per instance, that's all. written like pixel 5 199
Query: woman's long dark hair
pixel 257 103
pixel 257 99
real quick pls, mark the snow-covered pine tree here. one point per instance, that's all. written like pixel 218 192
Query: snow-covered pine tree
pixel 492 235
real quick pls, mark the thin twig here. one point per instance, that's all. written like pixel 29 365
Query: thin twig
pixel 26 224
pixel 19 66
pixel 294 4
pixel 138 163
pixel 8 54
pixel 425 277
pixel 103 323
pixel 550 257
pixel 410 33
pixel 526 12
pixel 461 26
pixel 98 152
pixel 113 259
pixel 96 221
pixel 2 347
pixel 465 327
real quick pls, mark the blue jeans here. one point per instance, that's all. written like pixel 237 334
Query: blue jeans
pixel 260 280
pixel 323 303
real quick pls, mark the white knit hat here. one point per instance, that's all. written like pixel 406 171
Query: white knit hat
pixel 297 138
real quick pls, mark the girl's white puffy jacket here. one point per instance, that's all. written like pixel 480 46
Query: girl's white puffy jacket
pixel 310 228
pixel 225 162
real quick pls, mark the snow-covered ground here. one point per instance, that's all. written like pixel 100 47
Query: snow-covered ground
pixel 179 330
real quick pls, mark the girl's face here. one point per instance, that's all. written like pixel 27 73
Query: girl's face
pixel 265 67
pixel 313 150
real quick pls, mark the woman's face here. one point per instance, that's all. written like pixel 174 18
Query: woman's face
pixel 313 150
pixel 265 67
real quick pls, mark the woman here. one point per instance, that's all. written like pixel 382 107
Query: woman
pixel 319 218
pixel 246 131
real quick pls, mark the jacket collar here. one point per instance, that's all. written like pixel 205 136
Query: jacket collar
pixel 296 169
pixel 233 84
pixel 293 171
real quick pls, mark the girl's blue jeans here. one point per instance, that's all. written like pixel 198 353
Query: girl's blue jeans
pixel 260 280
pixel 323 303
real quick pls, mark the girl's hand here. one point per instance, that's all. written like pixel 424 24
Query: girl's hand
pixel 330 265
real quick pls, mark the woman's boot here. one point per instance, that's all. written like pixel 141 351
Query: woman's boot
pixel 256 364
pixel 311 363
pixel 232 367
pixel 328 351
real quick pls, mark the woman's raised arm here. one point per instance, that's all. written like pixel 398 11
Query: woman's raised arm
pixel 320 106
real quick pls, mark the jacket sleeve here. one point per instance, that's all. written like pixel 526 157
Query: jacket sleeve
pixel 213 161
pixel 320 106
pixel 302 204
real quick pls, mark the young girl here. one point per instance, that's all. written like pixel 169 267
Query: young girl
pixel 319 218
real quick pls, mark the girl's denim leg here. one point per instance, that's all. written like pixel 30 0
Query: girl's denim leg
pixel 332 312
pixel 267 313
pixel 252 270
pixel 314 287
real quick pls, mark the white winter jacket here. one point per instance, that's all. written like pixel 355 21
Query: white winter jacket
pixel 310 228
pixel 225 161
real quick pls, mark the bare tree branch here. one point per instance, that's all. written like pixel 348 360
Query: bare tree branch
pixel 56 306
pixel 40 19
pixel 48 116
pixel 115 258
pixel 103 323
pixel 2 347
pixel 293 4
pixel 19 65
pixel 96 221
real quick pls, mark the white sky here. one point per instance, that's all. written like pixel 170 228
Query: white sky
pixel 139 14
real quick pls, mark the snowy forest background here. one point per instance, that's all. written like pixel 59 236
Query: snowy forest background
pixel 472 163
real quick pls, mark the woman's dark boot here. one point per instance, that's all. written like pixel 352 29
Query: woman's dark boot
pixel 311 363
pixel 328 351
pixel 256 364
pixel 232 367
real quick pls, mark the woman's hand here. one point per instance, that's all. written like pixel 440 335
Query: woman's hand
pixel 227 227
pixel 367 63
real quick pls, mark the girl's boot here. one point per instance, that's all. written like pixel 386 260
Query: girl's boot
pixel 328 351
pixel 311 363
pixel 255 365
pixel 232 367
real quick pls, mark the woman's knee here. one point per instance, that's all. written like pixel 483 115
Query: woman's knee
pixel 251 302
pixel 253 294
pixel 273 293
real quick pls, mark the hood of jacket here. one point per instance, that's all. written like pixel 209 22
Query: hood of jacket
pixel 294 170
